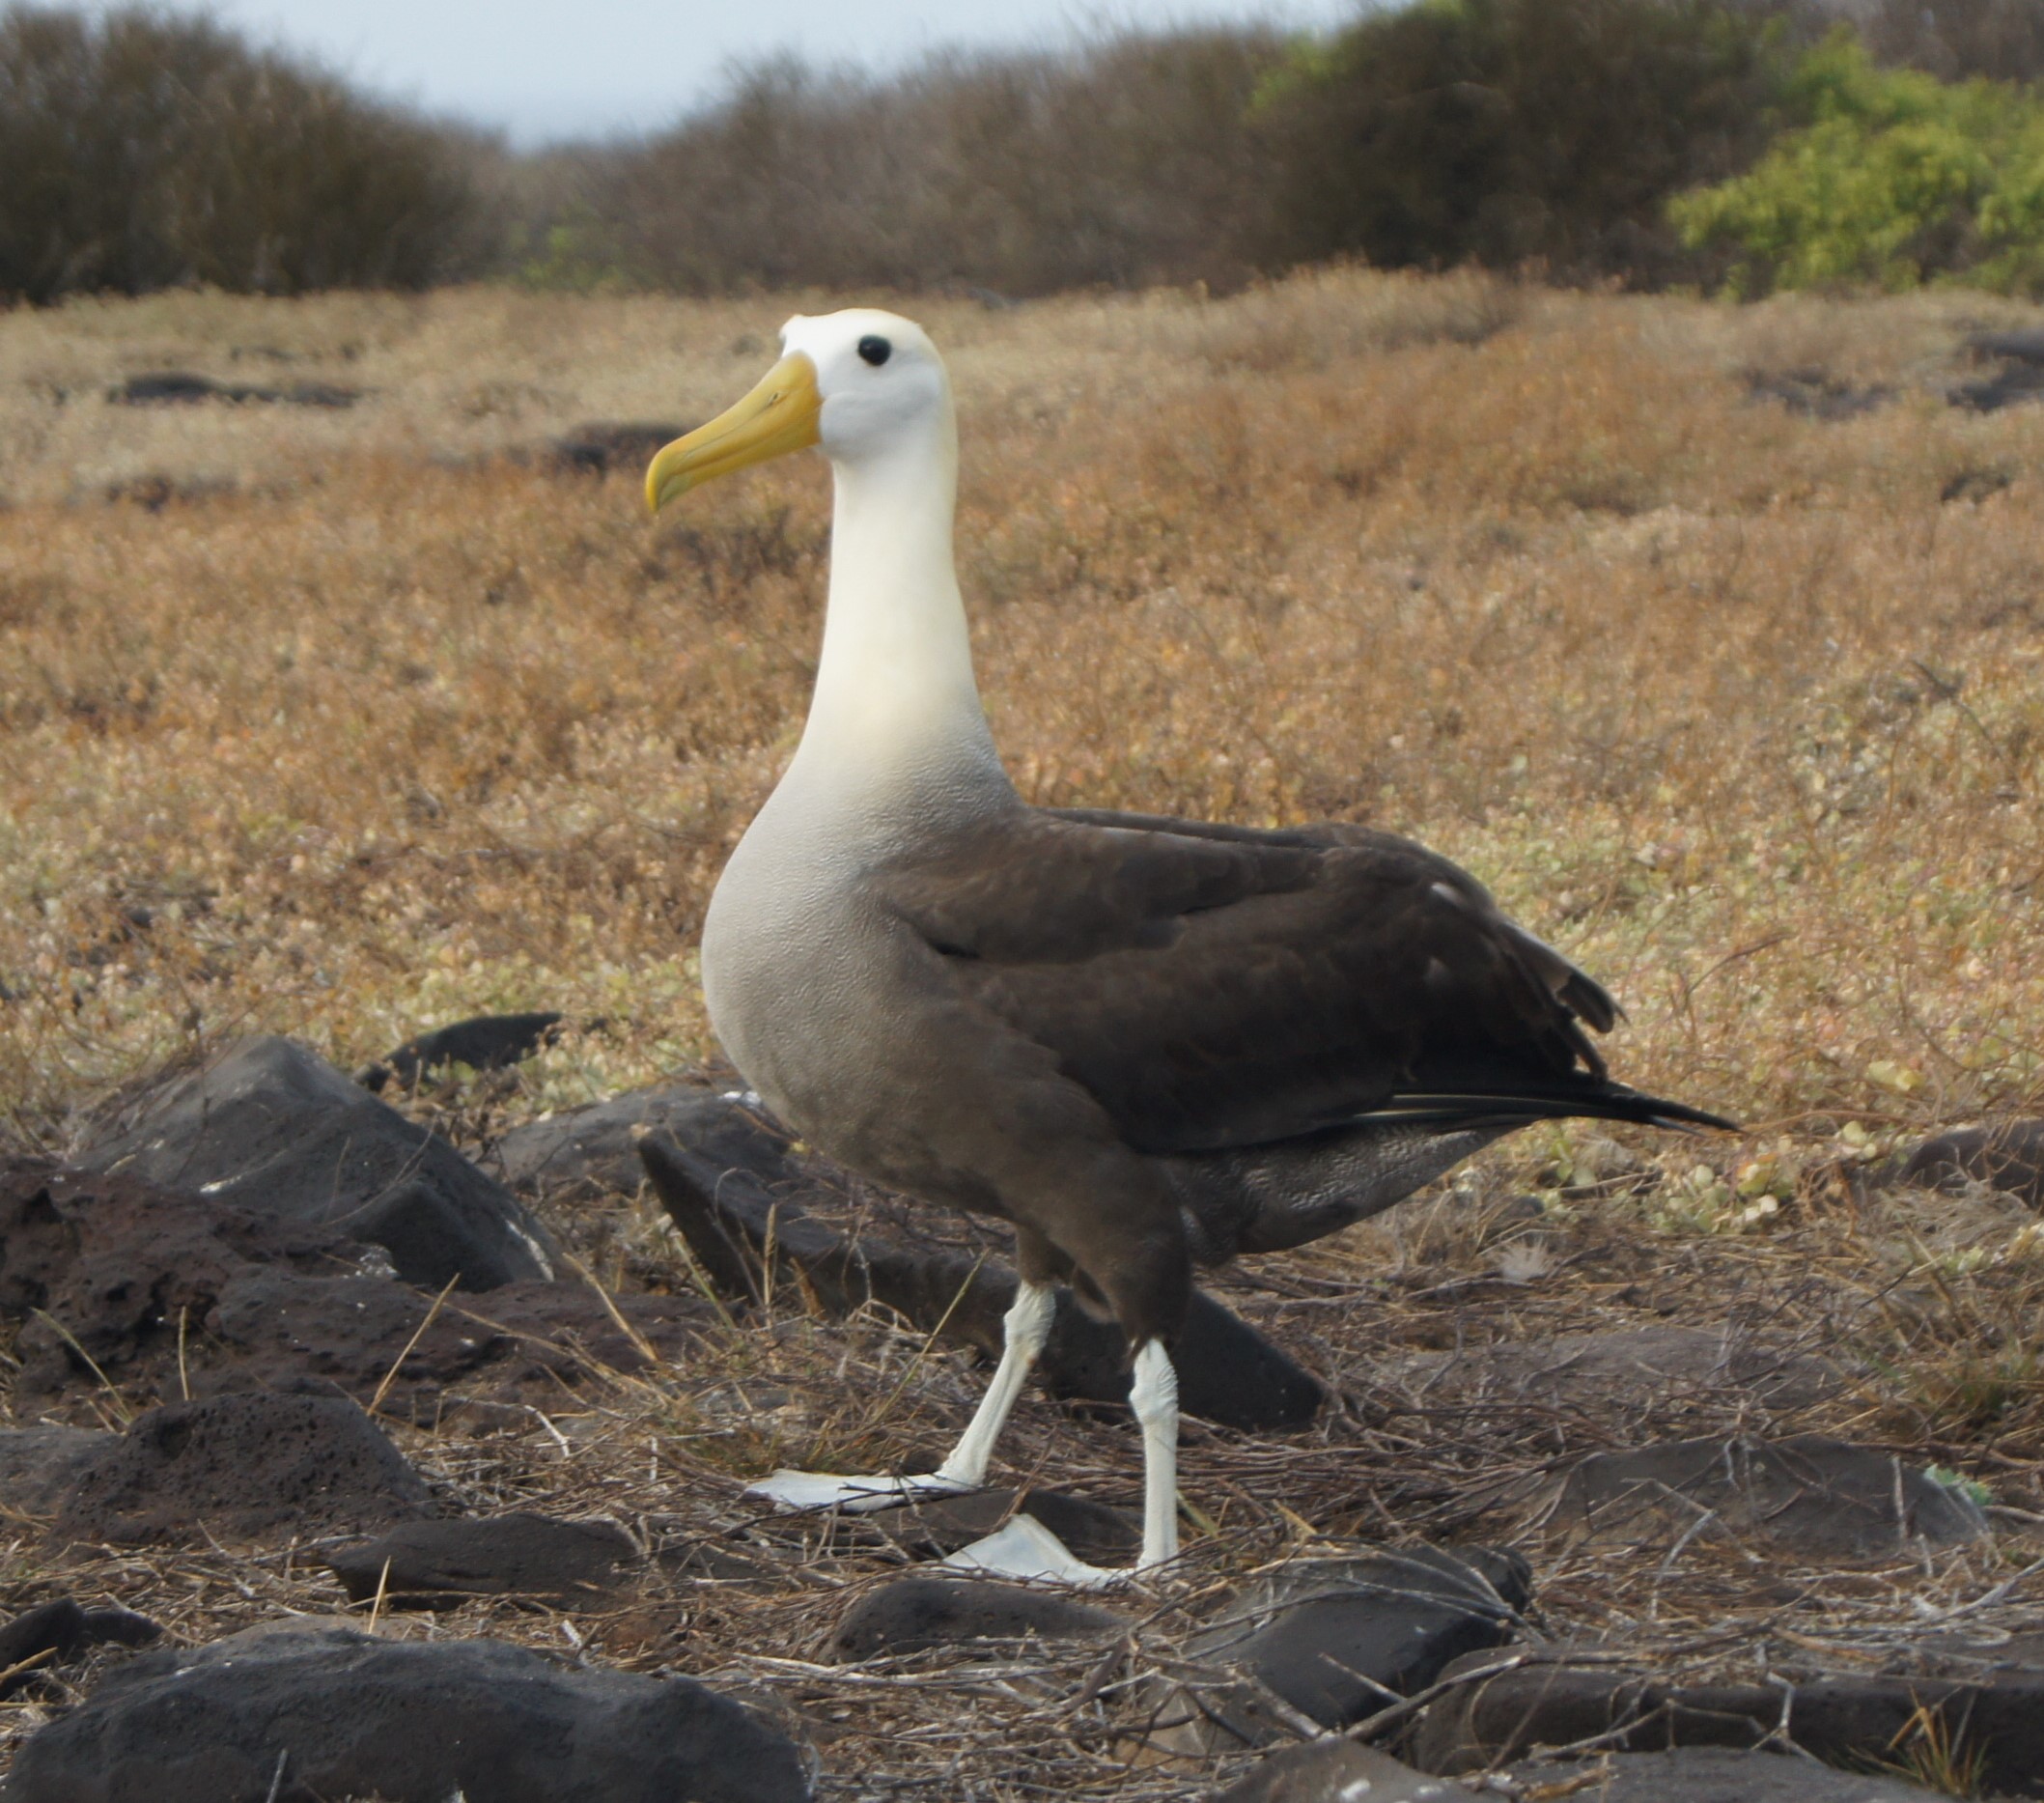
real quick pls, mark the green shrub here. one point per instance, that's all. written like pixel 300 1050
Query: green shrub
pixel 1508 131
pixel 139 151
pixel 1891 176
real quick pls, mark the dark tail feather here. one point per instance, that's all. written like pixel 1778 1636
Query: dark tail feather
pixel 1460 1110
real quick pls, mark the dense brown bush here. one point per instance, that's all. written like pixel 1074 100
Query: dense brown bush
pixel 1497 131
pixel 1126 162
pixel 139 152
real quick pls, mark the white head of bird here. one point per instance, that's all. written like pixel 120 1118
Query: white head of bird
pixel 867 386
pixel 894 685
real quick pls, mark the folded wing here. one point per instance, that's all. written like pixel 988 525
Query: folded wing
pixel 1218 987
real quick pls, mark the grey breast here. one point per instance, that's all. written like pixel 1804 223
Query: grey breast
pixel 832 1006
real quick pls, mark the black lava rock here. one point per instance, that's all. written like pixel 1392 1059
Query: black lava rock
pixel 1816 394
pixel 2013 347
pixel 595 1149
pixel 306 1716
pixel 1330 1636
pixel 117 1260
pixel 51 1633
pixel 1822 1495
pixel 2005 1155
pixel 912 1614
pixel 603 445
pixel 1619 1375
pixel 242 1467
pixel 484 1042
pixel 104 1267
pixel 183 388
pixel 427 1561
pixel 1721 1775
pixel 39 1467
pixel 1558 1697
pixel 273 1127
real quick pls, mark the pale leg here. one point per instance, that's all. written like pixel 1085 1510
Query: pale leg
pixel 1026 1326
pixel 1027 1549
pixel 1154 1396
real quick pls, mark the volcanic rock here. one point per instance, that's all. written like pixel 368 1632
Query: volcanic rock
pixel 183 388
pixel 1821 1496
pixel 275 1129
pixel 1339 1771
pixel 1560 1696
pixel 1974 484
pixel 2020 378
pixel 348 1334
pixel 484 1042
pixel 1624 1373
pixel 117 1260
pixel 302 1716
pixel 242 1468
pixel 345 1332
pixel 602 445
pixel 426 1561
pixel 2007 1155
pixel 912 1614
pixel 1816 394
pixel 39 1467
pixel 117 1264
pixel 2019 345
pixel 595 1149
pixel 1719 1775
pixel 1331 1637
pixel 729 1213
pixel 562 1330
pixel 51 1633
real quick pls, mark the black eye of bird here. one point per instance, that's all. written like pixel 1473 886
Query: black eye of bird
pixel 875 349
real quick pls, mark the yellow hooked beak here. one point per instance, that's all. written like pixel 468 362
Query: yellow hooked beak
pixel 778 416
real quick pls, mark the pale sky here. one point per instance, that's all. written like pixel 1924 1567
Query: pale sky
pixel 544 69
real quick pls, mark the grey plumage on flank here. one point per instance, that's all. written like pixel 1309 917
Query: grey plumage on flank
pixel 1147 1043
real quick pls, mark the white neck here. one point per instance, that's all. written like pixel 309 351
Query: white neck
pixel 896 708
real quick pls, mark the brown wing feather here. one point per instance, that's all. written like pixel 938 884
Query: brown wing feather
pixel 1215 986
pixel 1048 888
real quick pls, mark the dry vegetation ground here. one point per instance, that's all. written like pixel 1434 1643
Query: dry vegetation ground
pixel 371 726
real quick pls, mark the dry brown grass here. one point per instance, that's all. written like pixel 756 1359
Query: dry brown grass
pixel 1730 703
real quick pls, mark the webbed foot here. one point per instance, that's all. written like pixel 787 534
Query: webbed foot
pixel 815 1489
pixel 1025 1549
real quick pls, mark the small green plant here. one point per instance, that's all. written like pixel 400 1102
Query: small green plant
pixel 1889 178
pixel 1971 1488
pixel 1701 1200
pixel 570 257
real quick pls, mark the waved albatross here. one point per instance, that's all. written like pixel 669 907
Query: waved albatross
pixel 1148 1043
